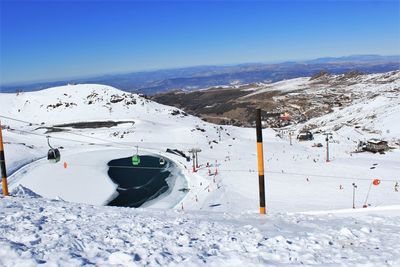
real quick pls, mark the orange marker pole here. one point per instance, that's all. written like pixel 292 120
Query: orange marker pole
pixel 260 156
pixel 3 165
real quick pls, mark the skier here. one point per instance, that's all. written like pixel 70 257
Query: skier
pixel 396 187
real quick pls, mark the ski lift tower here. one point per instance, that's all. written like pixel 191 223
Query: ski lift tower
pixel 194 152
pixel 327 137
pixel 291 132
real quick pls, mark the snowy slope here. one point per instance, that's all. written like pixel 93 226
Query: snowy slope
pixel 37 231
pixel 153 127
pixel 215 223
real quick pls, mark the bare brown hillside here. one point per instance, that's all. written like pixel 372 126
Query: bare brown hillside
pixel 301 98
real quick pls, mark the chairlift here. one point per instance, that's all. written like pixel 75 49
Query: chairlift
pixel 162 161
pixel 136 158
pixel 53 155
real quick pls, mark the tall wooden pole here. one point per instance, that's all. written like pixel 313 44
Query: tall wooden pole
pixel 3 165
pixel 260 156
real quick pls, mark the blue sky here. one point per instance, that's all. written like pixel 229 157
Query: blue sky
pixel 44 40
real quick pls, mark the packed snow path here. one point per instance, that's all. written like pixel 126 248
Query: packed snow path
pixel 39 231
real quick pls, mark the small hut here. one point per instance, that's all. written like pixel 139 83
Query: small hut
pixel 376 145
pixel 305 136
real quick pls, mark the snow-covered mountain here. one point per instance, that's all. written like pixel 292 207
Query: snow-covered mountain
pixel 197 77
pixel 303 98
pixel 93 124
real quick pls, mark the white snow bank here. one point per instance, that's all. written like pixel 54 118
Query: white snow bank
pixel 21 191
pixel 40 231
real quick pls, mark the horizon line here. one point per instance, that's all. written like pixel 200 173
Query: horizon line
pixel 88 76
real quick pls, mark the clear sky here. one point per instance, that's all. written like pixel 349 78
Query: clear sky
pixel 55 39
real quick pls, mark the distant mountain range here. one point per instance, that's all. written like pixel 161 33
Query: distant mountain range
pixel 193 78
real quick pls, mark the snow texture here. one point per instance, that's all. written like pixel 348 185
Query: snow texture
pixel 53 233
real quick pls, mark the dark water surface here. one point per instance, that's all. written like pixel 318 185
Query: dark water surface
pixel 138 184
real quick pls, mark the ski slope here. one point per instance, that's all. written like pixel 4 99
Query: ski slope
pixel 297 177
pixel 215 221
pixel 45 232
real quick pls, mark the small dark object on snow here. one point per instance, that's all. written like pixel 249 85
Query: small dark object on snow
pixel 305 136
pixel 317 145
pixel 184 189
pixel 179 153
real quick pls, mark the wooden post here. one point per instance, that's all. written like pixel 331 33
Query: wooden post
pixel 3 165
pixel 260 156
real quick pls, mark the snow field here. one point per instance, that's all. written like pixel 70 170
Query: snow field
pixel 233 189
pixel 219 224
pixel 39 231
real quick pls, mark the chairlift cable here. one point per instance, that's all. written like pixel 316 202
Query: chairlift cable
pixel 48 142
pixel 54 127
pixel 68 139
pixel 137 167
pixel 13 119
pixel 54 137
pixel 92 137
pixel 236 170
